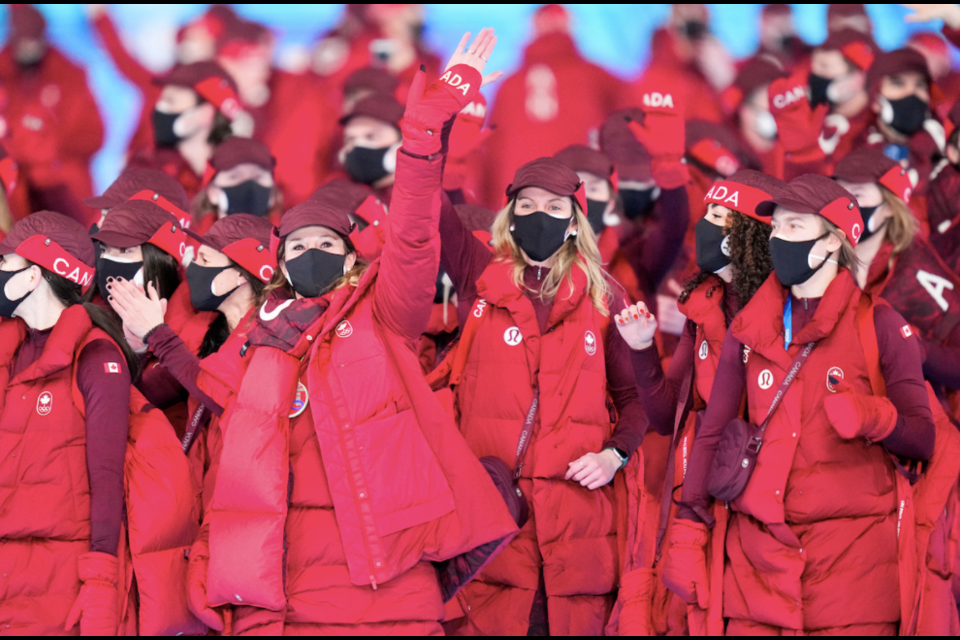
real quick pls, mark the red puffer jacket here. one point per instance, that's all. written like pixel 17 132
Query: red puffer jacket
pixel 46 497
pixel 572 532
pixel 318 523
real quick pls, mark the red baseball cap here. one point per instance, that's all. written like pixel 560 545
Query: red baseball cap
pixel 894 62
pixel 820 195
pixel 552 175
pixel 871 165
pixel 317 213
pixel 209 80
pixel 56 243
pixel 758 72
pixel 240 36
pixel 744 191
pixel 249 241
pixel 378 106
pixel 132 181
pixel 624 150
pixel 856 46
pixel 145 221
pixel 580 157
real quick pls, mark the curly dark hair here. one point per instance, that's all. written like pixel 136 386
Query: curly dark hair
pixel 750 255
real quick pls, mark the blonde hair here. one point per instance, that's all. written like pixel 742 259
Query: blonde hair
pixel 847 255
pixel 902 226
pixel 279 281
pixel 582 252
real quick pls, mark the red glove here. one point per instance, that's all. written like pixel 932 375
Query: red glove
pixel 197 585
pixel 97 608
pixel 427 112
pixel 855 415
pixel 637 589
pixel 663 135
pixel 798 126
pixel 683 567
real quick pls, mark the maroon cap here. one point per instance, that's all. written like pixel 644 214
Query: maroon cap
pixel 134 180
pixel 236 151
pixel 343 194
pixel 371 79
pixel 209 80
pixel 717 148
pixel 622 147
pixel 582 158
pixel 848 16
pixel 552 175
pixel 744 191
pixel 759 71
pixel 872 165
pixel 239 36
pixel 378 106
pixel 321 213
pixel 249 241
pixel 475 217
pixel 134 223
pixel 819 195
pixel 26 23
pixel 894 62
pixel 777 10
pixel 857 47
pixel 56 243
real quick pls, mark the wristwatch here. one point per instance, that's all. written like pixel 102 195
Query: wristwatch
pixel 621 456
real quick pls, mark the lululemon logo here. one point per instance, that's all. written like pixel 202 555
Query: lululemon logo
pixel 765 380
pixel 45 403
pixel 512 336
pixel 590 343
pixel 704 350
pixel 834 372
pixel 344 330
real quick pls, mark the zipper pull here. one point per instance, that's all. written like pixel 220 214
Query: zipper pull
pixel 539 271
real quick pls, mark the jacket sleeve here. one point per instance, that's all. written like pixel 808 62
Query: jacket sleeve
pixel 79 126
pixel 658 392
pixel 411 256
pixel 633 422
pixel 177 359
pixel 131 69
pixel 462 254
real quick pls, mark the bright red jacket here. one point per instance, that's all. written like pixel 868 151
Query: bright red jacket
pixel 350 541
pixel 55 129
pixel 46 496
pixel 572 532
pixel 556 99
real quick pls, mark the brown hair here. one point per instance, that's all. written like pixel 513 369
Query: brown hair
pixel 279 281
pixel 847 255
pixel 902 226
pixel 583 252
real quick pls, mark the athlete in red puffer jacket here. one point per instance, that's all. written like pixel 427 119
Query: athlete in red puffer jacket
pixel 734 261
pixel 340 479
pixel 74 476
pixel 823 503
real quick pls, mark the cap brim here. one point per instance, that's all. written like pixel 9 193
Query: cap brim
pixel 766 208
pixel 119 240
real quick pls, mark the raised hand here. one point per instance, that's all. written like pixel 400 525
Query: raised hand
pixel 637 326
pixel 141 312
pixel 477 54
pixel 949 13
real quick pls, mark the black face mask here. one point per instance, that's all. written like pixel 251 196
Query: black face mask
pixel 313 272
pixel 248 197
pixel 791 260
pixel 163 134
pixel 107 268
pixel 97 249
pixel 540 235
pixel 638 204
pixel 710 243
pixel 787 42
pixel 905 115
pixel 200 279
pixel 8 306
pixel 818 90
pixel 595 212
pixel 365 165
pixel 694 29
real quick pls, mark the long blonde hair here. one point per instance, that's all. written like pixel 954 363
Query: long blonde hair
pixel 582 252
pixel 901 225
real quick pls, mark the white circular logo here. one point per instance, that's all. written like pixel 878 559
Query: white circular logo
pixel 344 330
pixel 765 380
pixel 834 372
pixel 45 403
pixel 704 350
pixel 512 336
pixel 590 343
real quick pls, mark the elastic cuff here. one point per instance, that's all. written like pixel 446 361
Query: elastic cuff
pixel 669 174
pixel 421 152
pixel 146 336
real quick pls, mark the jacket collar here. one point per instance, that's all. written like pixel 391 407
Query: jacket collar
pixel 61 348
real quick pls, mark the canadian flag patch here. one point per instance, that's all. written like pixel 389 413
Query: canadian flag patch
pixel 111 367
pixel 906 331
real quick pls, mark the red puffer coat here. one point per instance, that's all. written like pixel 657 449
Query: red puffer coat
pixel 813 550
pixel 571 535
pixel 46 514
pixel 318 523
